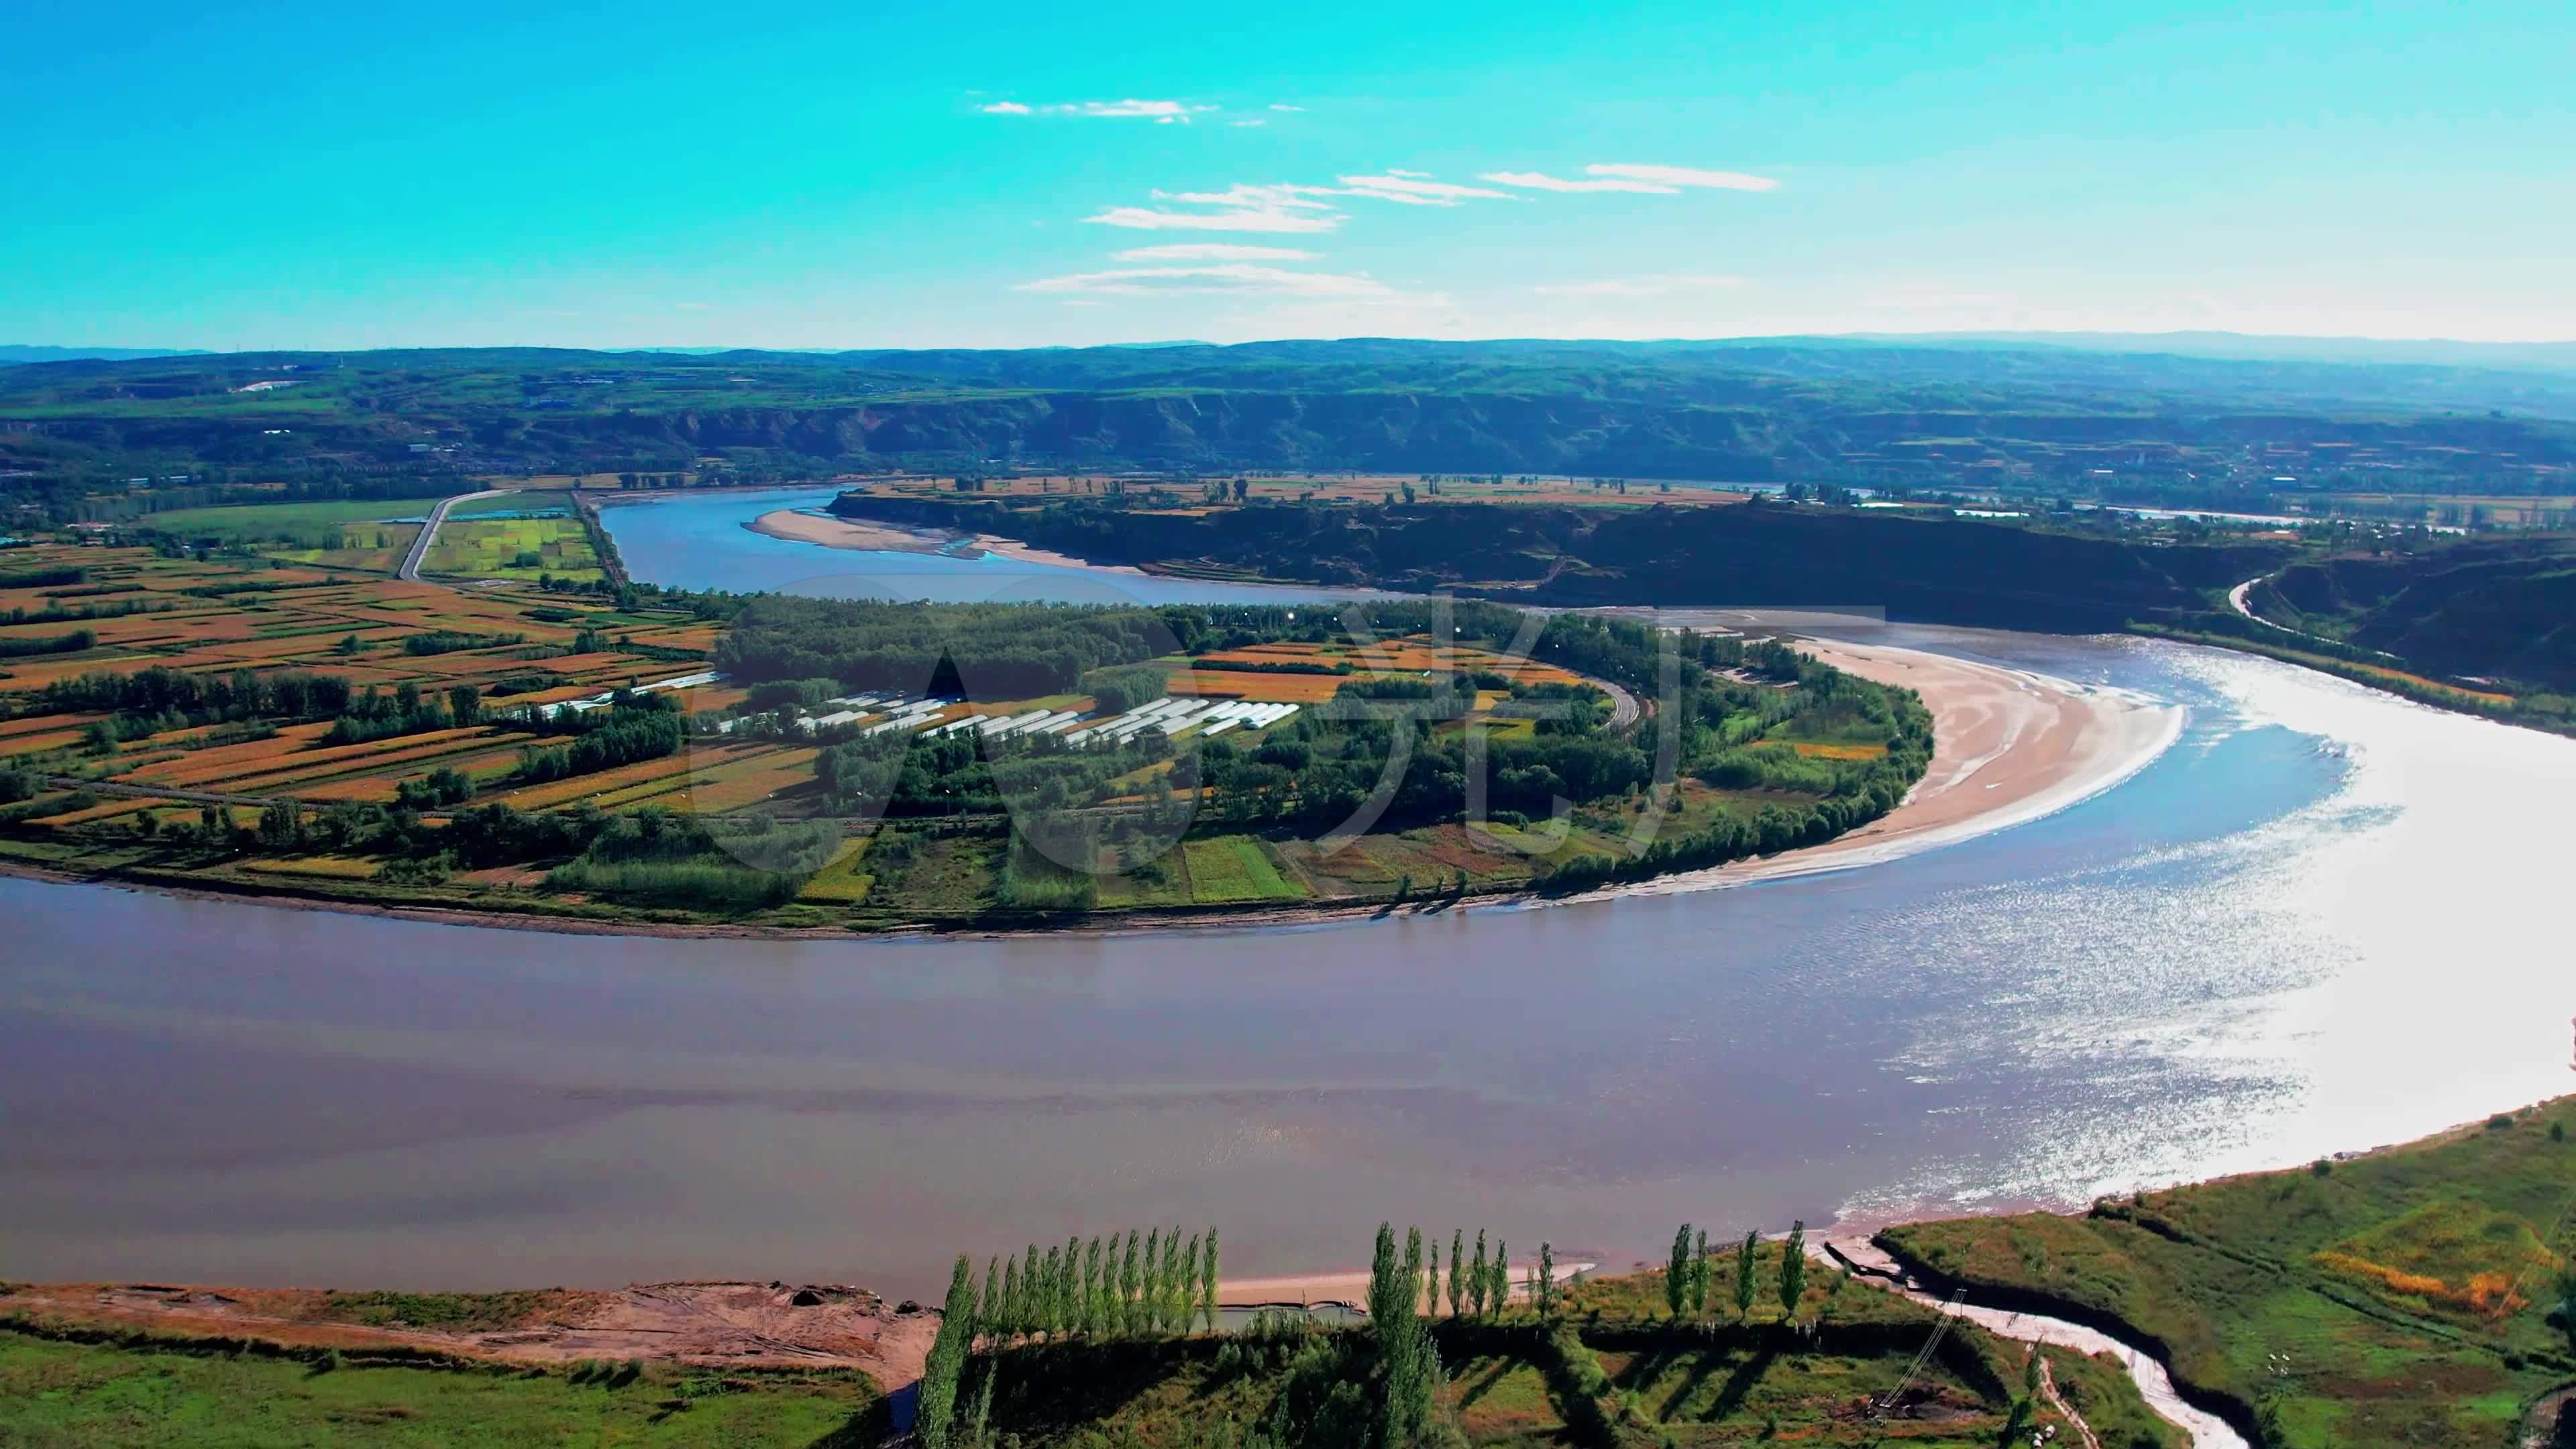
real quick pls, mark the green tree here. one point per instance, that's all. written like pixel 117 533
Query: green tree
pixel 1208 1280
pixel 1699 1275
pixel 1480 1279
pixel 1382 1289
pixel 1431 1275
pixel 990 1315
pixel 1793 1270
pixel 1546 1281
pixel 1051 1294
pixel 1149 1292
pixel 1745 1291
pixel 1069 1289
pixel 1013 1312
pixel 1457 1270
pixel 937 1404
pixel 1130 1284
pixel 1185 1286
pixel 1171 1275
pixel 1677 1272
pixel 1091 1314
pixel 1499 1295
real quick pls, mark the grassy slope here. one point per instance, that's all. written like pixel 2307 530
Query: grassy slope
pixel 96 1397
pixel 2227 1276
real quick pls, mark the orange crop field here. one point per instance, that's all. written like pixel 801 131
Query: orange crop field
pixel 50 740
pixel 750 783
pixel 564 792
pixel 1260 688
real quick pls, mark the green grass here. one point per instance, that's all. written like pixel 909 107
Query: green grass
pixel 260 522
pixel 495 549
pixel 2229 1277
pixel 79 1396
pixel 1231 869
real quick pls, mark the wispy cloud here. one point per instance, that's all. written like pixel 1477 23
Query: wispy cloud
pixel 1161 113
pixel 1538 181
pixel 1649 180
pixel 1276 106
pixel 1216 252
pixel 1234 277
pixel 1685 176
pixel 1255 121
pixel 1658 285
pixel 1412 188
pixel 1146 218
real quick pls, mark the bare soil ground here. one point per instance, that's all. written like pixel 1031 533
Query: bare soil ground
pixel 751 1325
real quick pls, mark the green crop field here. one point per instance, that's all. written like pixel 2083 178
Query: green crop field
pixel 1233 868
pixel 512 548
pixel 264 522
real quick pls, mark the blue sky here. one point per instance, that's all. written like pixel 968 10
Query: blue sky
pixel 234 175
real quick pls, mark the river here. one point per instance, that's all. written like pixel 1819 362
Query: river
pixel 2324 919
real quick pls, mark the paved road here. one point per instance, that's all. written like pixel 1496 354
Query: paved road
pixel 420 546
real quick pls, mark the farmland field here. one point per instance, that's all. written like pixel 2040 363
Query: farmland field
pixel 512 548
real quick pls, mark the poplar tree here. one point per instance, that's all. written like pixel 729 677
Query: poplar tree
pixel 1091 1286
pixel 1500 1295
pixel 1699 1275
pixel 1431 1268
pixel 1129 1285
pixel 1051 1293
pixel 1478 1280
pixel 1793 1270
pixel 1677 1272
pixel 1207 1280
pixel 1546 1281
pixel 989 1317
pixel 1457 1270
pixel 1744 1289
pixel 1011 1313
pixel 1032 1296
pixel 1381 1290
pixel 1147 1291
pixel 1069 1288
pixel 937 1404
pixel 1185 1286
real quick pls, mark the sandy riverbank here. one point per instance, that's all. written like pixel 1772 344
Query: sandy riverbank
pixel 2009 747
pixel 848 533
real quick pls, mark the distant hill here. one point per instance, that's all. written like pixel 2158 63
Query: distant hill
pixel 2247 346
pixel 11 355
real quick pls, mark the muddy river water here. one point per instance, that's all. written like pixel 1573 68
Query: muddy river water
pixel 2323 919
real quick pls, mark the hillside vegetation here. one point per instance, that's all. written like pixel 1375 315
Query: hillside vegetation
pixel 2420 1295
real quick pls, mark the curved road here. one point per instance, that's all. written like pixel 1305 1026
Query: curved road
pixel 410 570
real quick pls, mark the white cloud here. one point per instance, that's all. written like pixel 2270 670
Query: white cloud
pixel 1161 113
pixel 1255 121
pixel 1276 106
pixel 1144 218
pixel 1281 197
pixel 1233 277
pixel 1648 180
pixel 1685 176
pixel 1411 188
pixel 1400 171
pixel 1216 252
pixel 1537 181
pixel 1663 285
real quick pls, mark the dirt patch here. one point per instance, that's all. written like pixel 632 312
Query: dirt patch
pixel 751 1325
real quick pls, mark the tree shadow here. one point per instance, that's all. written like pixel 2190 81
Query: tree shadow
pixel 1740 1384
